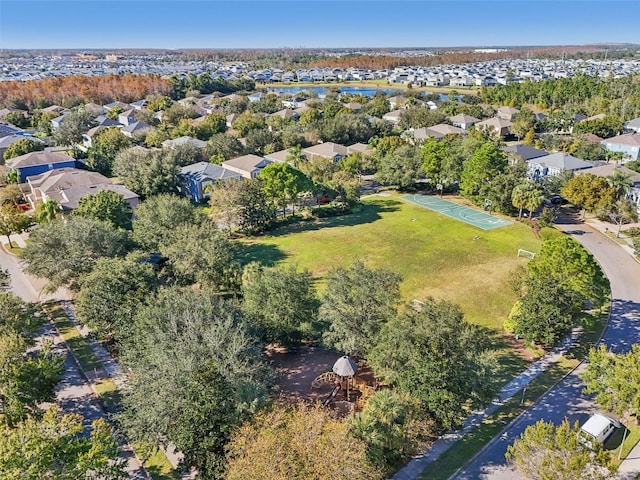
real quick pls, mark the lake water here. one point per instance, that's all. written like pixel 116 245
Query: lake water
pixel 354 90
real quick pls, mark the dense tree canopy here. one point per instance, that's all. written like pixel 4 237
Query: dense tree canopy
pixel 147 172
pixel 439 359
pixel 74 125
pixel 549 452
pixel 21 147
pixel 112 292
pixel 55 446
pixel 108 206
pixel 615 380
pixel 485 164
pixel 300 442
pixel 158 217
pixel 402 167
pixel 197 372
pixel 280 302
pixel 200 253
pixel 62 251
pixel 588 191
pixel 105 145
pixel 357 302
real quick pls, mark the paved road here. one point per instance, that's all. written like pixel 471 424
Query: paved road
pixel 73 393
pixel 567 399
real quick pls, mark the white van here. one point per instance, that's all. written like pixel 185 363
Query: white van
pixel 597 429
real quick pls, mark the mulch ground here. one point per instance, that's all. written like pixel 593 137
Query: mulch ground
pixel 298 368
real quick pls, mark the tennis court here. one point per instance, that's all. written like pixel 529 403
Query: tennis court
pixel 464 214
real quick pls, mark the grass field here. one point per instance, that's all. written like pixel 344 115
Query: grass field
pixel 437 256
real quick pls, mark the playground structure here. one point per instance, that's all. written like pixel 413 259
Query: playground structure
pixel 306 374
pixel 356 390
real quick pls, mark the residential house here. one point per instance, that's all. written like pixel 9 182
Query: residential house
pixel 633 125
pixel 249 166
pixel 361 148
pixel 35 163
pixel 496 125
pixel 393 116
pixel 609 169
pixel 121 105
pixel 464 121
pixel 553 164
pixel 397 101
pixel 294 102
pixel 280 156
pixel 57 122
pixel 185 140
pixel 329 150
pixel 628 144
pixel 7 129
pixel 68 185
pixel 524 152
pixel 104 121
pixel 437 131
pixel 95 109
pixel 54 109
pixel 197 177
pixel 5 111
pixel 507 113
pixel 353 106
pixel 127 117
pixel 140 104
pixel 87 137
pixel 136 129
pixel 231 118
pixel 286 114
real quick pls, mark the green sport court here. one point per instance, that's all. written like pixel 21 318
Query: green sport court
pixel 464 214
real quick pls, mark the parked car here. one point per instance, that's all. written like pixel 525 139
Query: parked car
pixel 555 201
pixel 597 429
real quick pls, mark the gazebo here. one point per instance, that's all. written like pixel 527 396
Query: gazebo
pixel 345 368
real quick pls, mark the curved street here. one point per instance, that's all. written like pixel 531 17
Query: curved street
pixel 566 399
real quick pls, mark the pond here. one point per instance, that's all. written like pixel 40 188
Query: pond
pixel 353 90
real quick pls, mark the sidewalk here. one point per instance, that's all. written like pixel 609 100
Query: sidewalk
pixel 420 462
pixel 76 394
pixel 112 369
pixel 604 227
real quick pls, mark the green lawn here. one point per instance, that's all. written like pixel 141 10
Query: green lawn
pixel 436 255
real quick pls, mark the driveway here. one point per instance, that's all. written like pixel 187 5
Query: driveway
pixel 566 400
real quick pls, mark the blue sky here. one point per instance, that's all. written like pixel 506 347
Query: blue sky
pixel 307 23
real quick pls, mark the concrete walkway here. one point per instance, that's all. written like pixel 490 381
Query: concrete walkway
pixel 76 394
pixel 420 462
pixel 112 369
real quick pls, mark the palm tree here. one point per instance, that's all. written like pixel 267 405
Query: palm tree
pixel 48 211
pixel 533 200
pixel 296 156
pixel 621 182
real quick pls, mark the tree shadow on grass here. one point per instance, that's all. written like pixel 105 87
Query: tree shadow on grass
pixel 369 213
pixel 265 254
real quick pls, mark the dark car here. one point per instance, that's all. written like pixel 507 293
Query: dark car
pixel 555 201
